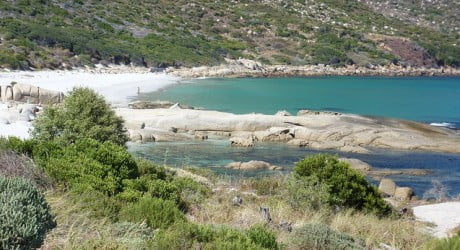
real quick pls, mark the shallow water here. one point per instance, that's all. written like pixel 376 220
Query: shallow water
pixel 214 154
pixel 425 99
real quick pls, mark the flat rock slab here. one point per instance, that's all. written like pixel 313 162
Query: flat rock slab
pixel 446 216
pixel 346 132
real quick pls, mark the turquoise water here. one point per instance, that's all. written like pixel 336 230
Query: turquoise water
pixel 425 99
pixel 214 154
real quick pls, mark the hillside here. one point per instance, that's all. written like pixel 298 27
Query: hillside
pixel 158 33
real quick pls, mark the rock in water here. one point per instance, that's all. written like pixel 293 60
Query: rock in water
pixel 357 164
pixel 242 142
pixel 252 165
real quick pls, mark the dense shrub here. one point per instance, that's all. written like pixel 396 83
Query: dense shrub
pixel 346 186
pixel 191 236
pixel 157 213
pixel 84 114
pixel 88 165
pixel 25 216
pixel 190 191
pixel 262 237
pixel 321 237
pixel 307 192
pixel 17 145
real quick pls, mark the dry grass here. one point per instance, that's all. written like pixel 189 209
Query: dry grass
pixel 77 228
pixel 15 165
pixel 219 209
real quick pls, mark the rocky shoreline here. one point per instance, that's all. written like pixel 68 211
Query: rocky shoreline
pixel 311 129
pixel 250 68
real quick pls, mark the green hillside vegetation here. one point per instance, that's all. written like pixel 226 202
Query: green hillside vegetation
pixel 98 196
pixel 65 33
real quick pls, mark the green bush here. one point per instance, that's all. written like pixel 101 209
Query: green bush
pixel 444 244
pixel 191 236
pixel 307 192
pixel 157 213
pixel 190 191
pixel 346 186
pixel 321 237
pixel 148 168
pixel 263 237
pixel 84 114
pixel 88 165
pixel 19 146
pixel 25 216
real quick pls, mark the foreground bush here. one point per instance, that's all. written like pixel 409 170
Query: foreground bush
pixel 25 216
pixel 84 114
pixel 88 165
pixel 321 237
pixel 157 213
pixel 346 186
pixel 191 236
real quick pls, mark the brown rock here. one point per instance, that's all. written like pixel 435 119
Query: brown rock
pixel 387 187
pixel 403 193
pixel 242 142
pixel 252 165
pixel 357 164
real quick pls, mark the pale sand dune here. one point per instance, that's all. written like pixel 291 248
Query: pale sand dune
pixel 446 216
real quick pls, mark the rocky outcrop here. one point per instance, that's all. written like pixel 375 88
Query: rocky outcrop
pixel 18 113
pixel 357 164
pixel 403 193
pixel 398 194
pixel 345 132
pixel 252 165
pixel 155 105
pixel 387 187
pixel 248 68
pixel 26 93
pixel 242 142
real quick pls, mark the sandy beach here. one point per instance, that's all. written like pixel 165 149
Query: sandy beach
pixel 117 84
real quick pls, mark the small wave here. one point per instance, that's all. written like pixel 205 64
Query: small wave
pixel 443 124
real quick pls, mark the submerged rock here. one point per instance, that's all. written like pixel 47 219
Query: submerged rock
pixel 252 165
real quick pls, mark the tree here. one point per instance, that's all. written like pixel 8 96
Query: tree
pixel 84 114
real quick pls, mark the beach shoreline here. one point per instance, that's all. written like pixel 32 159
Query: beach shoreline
pixel 250 68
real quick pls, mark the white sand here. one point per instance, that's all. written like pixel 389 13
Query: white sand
pixel 446 216
pixel 117 88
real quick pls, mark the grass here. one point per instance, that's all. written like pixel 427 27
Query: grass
pixel 219 209
pixel 80 228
